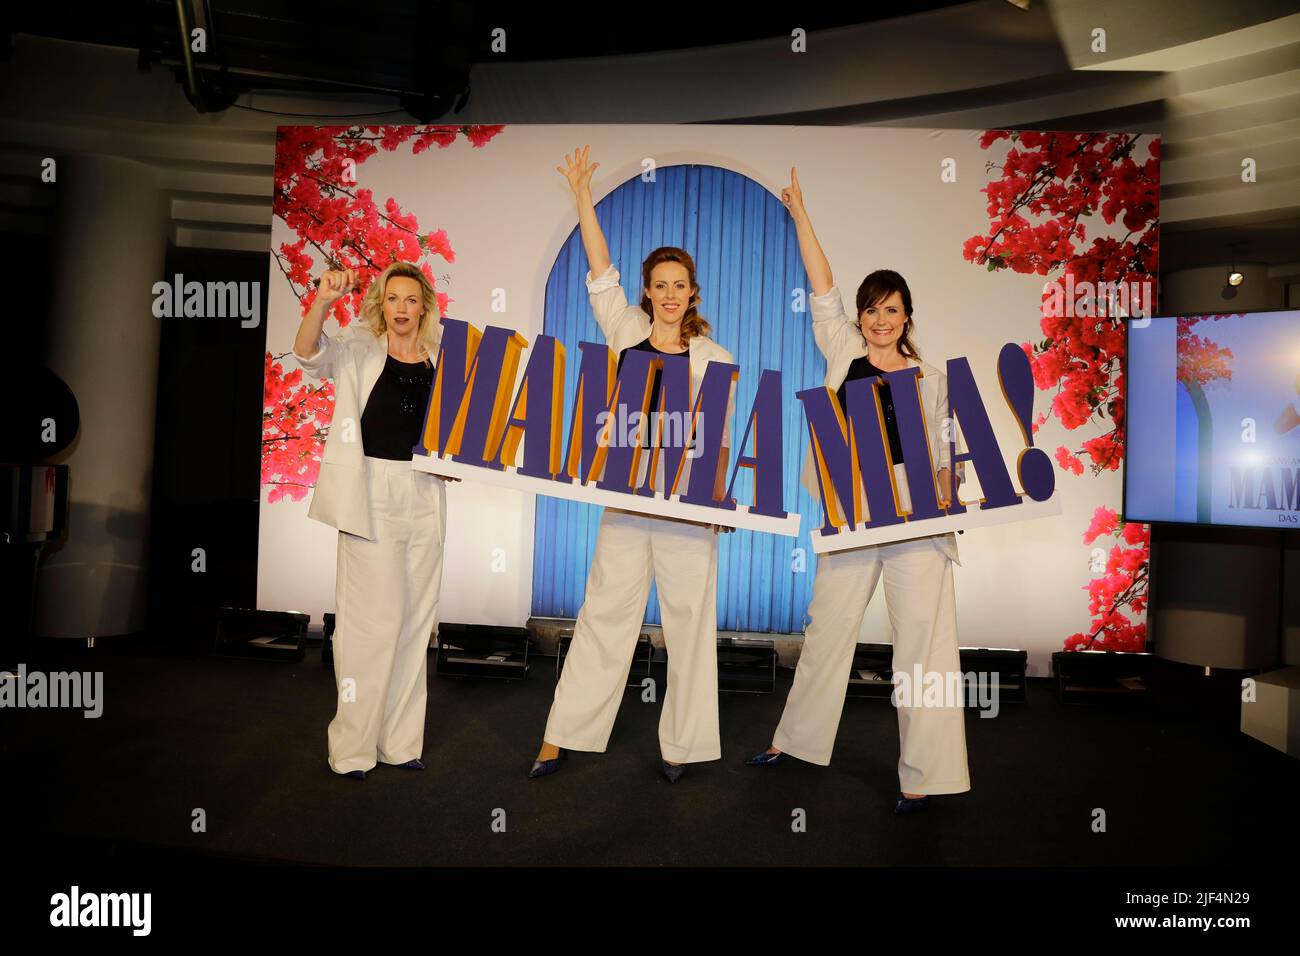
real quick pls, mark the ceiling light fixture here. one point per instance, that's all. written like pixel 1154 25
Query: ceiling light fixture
pixel 1235 278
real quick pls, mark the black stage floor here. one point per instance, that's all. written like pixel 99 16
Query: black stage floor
pixel 245 743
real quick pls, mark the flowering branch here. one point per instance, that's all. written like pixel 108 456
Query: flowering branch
pixel 314 167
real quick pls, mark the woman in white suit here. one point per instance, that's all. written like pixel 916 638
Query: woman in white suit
pixel 917 571
pixel 632 550
pixel 391 518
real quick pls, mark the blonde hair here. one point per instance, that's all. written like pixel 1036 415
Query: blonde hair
pixel 372 306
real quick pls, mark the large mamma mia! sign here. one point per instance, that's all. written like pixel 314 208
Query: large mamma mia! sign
pixel 620 452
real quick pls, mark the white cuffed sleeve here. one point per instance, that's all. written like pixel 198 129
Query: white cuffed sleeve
pixel 942 414
pixel 609 303
pixel 731 400
pixel 833 330
pixel 321 364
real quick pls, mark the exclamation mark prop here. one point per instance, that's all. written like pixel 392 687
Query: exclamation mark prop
pixel 965 407
pixel 1033 466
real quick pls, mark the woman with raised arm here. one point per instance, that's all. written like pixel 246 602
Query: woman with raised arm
pixel 917 571
pixel 391 518
pixel 632 550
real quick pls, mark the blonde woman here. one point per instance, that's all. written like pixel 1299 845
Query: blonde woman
pixel 391 518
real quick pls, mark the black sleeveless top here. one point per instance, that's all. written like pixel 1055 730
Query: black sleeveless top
pixel 646 346
pixel 394 412
pixel 862 368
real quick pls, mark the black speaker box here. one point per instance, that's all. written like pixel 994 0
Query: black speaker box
pixel 252 634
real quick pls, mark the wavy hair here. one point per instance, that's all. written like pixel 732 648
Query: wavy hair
pixel 372 306
pixel 693 323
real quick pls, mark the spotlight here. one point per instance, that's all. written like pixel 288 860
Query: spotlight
pixel 1235 278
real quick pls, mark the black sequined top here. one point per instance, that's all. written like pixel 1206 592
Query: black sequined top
pixel 862 368
pixel 394 412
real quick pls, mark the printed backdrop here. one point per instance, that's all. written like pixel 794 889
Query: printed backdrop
pixel 1001 236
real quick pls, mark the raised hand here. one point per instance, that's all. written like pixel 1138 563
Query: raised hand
pixel 335 284
pixel 792 195
pixel 577 170
pixel 810 250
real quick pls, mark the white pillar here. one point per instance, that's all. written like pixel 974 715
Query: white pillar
pixel 110 248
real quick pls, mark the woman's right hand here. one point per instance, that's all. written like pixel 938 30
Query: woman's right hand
pixel 792 195
pixel 335 284
pixel 810 250
pixel 578 171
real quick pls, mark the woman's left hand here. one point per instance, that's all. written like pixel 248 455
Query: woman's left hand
pixel 945 487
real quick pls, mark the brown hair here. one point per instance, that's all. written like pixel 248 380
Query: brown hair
pixel 692 322
pixel 879 285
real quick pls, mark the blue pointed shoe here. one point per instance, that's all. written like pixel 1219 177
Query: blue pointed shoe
pixel 542 768
pixel 415 763
pixel 673 771
pixel 356 774
pixel 766 759
pixel 906 805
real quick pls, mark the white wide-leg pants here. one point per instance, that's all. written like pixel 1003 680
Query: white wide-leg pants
pixel 387 600
pixel 923 626
pixel 631 551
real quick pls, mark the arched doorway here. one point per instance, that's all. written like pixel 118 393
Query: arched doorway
pixel 747 259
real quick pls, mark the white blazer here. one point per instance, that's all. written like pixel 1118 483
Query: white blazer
pixel 840 341
pixel 355 359
pixel 624 325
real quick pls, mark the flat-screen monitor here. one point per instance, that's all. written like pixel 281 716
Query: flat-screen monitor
pixel 1213 419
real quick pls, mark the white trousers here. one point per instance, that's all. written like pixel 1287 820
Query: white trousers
pixel 923 626
pixel 387 600
pixel 631 551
